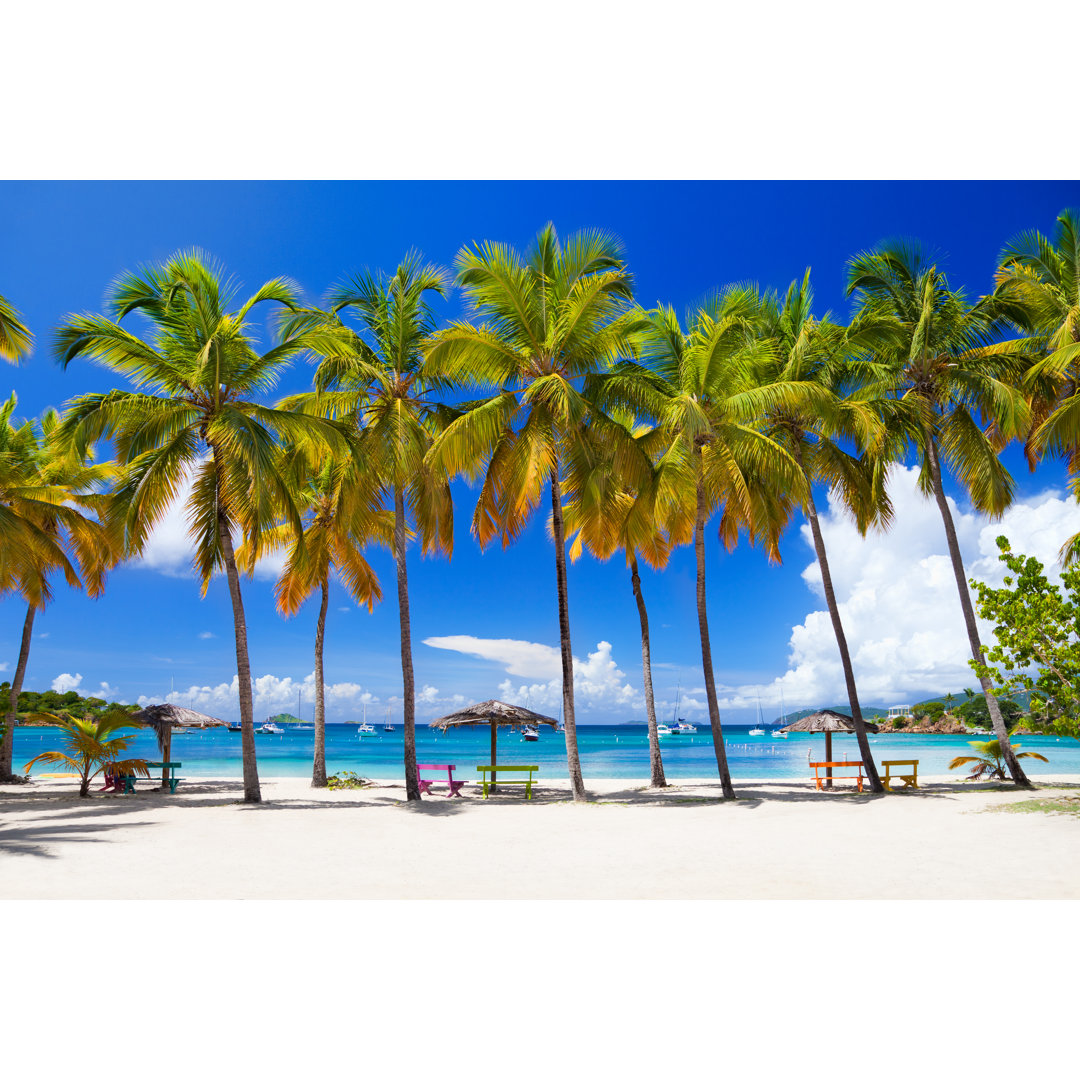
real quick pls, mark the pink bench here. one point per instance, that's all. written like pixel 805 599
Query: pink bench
pixel 425 785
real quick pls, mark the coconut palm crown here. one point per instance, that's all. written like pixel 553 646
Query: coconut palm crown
pixel 543 320
pixel 192 420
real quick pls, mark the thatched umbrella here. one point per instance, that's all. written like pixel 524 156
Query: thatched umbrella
pixel 828 721
pixel 497 714
pixel 163 718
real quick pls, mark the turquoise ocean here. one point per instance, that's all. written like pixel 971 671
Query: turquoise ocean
pixel 617 751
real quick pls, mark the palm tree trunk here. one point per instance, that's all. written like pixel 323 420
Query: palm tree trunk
pixel 1015 771
pixel 841 638
pixel 318 771
pixel 656 763
pixel 7 747
pixel 706 648
pixel 412 788
pixel 573 762
pixel 252 794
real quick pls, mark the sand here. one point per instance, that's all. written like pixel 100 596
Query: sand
pixel 778 840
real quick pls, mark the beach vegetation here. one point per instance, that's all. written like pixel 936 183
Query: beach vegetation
pixel 371 377
pixel 192 429
pixel 1036 637
pixel 989 763
pixel 16 340
pixel 92 745
pixel 948 391
pixel 345 779
pixel 544 320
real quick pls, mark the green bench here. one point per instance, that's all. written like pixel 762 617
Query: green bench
pixel 172 766
pixel 496 780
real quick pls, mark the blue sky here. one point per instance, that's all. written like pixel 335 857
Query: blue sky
pixel 64 242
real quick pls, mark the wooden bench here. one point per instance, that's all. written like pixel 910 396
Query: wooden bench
pixel 172 766
pixel 910 779
pixel 817 766
pixel 454 785
pixel 494 783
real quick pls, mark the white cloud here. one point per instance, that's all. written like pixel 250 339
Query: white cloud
pixel 42 637
pixel 206 635
pixel 63 683
pixel 3 666
pixel 525 658
pixel 106 691
pixel 270 694
pixel 898 598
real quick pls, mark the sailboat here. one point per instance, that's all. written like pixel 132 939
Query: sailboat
pixel 388 726
pixel 365 728
pixel 759 730
pixel 777 733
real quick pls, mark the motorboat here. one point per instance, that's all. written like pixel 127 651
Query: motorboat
pixel 778 734
pixel 663 729
pixel 529 733
pixel 235 728
pixel 269 729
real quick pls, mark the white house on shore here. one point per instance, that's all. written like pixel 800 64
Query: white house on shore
pixel 899 712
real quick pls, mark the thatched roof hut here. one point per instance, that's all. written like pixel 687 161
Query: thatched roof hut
pixel 827 720
pixel 163 718
pixel 497 714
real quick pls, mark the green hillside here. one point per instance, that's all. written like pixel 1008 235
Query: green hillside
pixel 71 703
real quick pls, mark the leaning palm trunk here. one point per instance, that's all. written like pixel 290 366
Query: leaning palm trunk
pixel 7 747
pixel 573 762
pixel 706 648
pixel 841 638
pixel 656 763
pixel 318 770
pixel 412 788
pixel 252 794
pixel 1015 771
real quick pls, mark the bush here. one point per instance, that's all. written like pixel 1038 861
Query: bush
pixel 346 780
pixel 899 722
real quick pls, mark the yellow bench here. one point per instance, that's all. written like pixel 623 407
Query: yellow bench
pixel 910 779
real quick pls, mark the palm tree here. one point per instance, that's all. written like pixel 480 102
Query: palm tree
pixel 15 338
pixel 546 320
pixel 1038 288
pixel 938 373
pixel 813 352
pixel 193 417
pixel 990 761
pixel 92 741
pixel 697 384
pixel 608 513
pixel 372 378
pixel 51 511
pixel 340 516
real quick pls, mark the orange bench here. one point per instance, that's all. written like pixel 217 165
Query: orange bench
pixel 819 780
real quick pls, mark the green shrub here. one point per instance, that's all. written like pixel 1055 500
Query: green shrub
pixel 346 780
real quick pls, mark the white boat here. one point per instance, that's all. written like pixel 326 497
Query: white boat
pixel 269 729
pixel 663 729
pixel 365 729
pixel 683 728
pixel 779 734
pixel 388 726
pixel 529 733
pixel 759 730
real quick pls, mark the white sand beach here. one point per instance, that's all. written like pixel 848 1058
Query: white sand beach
pixel 779 840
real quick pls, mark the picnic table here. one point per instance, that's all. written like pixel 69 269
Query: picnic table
pixel 173 780
pixel 485 782
pixel 425 785
pixel 829 766
pixel 910 779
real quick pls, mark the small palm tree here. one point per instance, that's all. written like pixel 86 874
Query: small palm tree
pixel 51 511
pixel 947 391
pixel 989 763
pixel 340 515
pixel 92 741
pixel 372 379
pixel 548 318
pixel 193 417
pixel 15 339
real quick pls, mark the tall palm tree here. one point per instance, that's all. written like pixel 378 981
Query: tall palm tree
pixel 15 338
pixel 605 512
pixel 949 393
pixel 1038 289
pixel 815 352
pixel 545 320
pixel 340 515
pixel 197 371
pixel 372 378
pixel 51 511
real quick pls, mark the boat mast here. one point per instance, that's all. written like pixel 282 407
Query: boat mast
pixel 678 692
